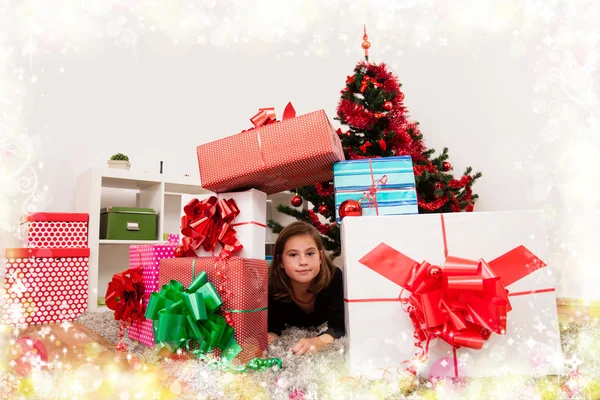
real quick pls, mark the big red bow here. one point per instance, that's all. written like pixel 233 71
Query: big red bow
pixel 461 303
pixel 124 295
pixel 206 223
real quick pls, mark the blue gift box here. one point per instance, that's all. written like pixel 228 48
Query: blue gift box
pixel 398 195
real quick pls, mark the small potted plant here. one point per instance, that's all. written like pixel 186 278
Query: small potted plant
pixel 120 161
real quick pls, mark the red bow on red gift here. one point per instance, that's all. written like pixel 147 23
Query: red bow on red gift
pixel 206 223
pixel 461 303
pixel 267 115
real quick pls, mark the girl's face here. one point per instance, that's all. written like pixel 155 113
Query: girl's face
pixel 301 259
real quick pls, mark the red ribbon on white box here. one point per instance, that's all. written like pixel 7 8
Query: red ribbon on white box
pixel 464 304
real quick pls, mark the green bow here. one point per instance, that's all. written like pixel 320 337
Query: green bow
pixel 188 319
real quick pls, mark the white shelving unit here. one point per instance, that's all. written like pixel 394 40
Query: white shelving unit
pixel 101 187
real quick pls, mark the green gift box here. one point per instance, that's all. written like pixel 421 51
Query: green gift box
pixel 124 223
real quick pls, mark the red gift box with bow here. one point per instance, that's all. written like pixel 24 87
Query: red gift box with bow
pixel 273 156
pixel 242 285
pixel 449 295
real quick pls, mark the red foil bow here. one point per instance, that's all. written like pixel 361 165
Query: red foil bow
pixel 267 115
pixel 206 223
pixel 461 303
pixel 124 295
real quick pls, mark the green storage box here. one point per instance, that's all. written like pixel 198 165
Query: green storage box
pixel 123 223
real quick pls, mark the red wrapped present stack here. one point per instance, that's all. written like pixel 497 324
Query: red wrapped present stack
pixel 46 281
pixel 242 285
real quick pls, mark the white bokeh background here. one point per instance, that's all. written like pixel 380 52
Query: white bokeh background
pixel 510 87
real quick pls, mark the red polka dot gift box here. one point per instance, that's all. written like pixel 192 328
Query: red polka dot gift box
pixel 242 286
pixel 55 230
pixel 148 256
pixel 43 286
pixel 273 157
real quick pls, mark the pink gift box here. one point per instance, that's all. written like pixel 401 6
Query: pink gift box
pixel 148 256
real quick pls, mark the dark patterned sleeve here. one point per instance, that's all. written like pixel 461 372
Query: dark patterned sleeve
pixel 276 319
pixel 335 321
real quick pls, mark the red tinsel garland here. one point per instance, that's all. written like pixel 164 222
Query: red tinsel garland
pixel 324 192
pixel 432 205
pixel 314 218
pixel 356 115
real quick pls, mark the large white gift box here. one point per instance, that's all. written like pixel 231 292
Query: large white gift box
pixel 383 253
pixel 249 224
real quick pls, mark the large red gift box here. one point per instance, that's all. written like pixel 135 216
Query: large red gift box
pixel 54 230
pixel 45 285
pixel 272 158
pixel 244 293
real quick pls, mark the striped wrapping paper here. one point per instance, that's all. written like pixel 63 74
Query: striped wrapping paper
pixel 276 157
pixel 246 279
pixel 398 196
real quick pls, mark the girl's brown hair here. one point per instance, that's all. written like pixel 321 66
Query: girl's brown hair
pixel 279 283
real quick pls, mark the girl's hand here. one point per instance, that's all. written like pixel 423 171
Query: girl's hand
pixel 307 345
pixel 272 337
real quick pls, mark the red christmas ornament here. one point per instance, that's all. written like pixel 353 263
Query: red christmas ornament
pixel 447 166
pixel 434 272
pixel 379 115
pixel 350 208
pixel 179 251
pixel 323 210
pixel 366 44
pixel 349 79
pixel 388 105
pixel 382 145
pixel 296 201
pixel 29 354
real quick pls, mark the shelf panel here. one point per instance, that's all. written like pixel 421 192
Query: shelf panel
pixel 130 242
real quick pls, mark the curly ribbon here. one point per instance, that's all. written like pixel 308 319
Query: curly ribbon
pixel 371 194
pixel 463 303
pixel 188 319
pixel 208 222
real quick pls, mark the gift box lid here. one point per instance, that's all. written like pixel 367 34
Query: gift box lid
pixel 55 216
pixel 127 210
pixel 46 253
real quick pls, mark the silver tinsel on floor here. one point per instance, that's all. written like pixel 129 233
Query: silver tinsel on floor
pixel 314 376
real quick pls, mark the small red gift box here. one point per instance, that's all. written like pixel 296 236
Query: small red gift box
pixel 45 285
pixel 274 157
pixel 54 230
pixel 242 285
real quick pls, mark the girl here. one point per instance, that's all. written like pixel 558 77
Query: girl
pixel 305 288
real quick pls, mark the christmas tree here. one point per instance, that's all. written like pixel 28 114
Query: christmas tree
pixel 372 107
